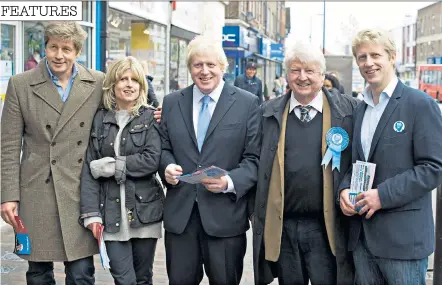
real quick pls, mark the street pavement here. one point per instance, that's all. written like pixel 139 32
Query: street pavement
pixel 13 268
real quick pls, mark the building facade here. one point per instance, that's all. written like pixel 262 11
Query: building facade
pixel 429 34
pixel 255 31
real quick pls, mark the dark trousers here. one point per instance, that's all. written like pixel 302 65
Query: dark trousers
pixel 78 272
pixel 187 252
pixel 131 261
pixel 372 270
pixel 305 253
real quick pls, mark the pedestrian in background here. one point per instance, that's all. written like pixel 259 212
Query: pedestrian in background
pixel 250 82
pixel 151 97
pixel 118 185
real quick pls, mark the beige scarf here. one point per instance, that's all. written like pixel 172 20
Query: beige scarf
pixel 275 202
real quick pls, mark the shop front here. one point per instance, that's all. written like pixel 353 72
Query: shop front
pixel 22 46
pixel 179 76
pixel 132 32
pixel 235 48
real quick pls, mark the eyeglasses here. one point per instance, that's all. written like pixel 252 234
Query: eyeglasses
pixel 308 72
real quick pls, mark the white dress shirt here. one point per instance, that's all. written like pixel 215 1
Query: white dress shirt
pixel 316 104
pixel 373 114
pixel 197 103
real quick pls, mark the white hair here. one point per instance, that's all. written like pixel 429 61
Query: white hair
pixel 202 44
pixel 306 53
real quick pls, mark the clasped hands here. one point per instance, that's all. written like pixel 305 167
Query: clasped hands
pixel 368 202
pixel 214 185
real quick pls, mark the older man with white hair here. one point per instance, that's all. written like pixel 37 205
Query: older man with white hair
pixel 299 232
pixel 208 123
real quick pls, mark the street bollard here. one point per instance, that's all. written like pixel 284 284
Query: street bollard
pixel 437 273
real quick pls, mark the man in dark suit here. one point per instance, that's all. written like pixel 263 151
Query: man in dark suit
pixel 299 232
pixel 400 130
pixel 208 123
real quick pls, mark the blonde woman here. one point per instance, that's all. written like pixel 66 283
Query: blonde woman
pixel 118 185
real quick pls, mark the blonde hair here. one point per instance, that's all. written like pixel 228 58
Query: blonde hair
pixel 201 45
pixel 66 31
pixel 116 71
pixel 374 36
pixel 306 53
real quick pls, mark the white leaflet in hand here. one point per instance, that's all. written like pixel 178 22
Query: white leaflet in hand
pixel 362 178
pixel 104 258
pixel 209 172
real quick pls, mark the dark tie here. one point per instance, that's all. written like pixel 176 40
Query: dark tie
pixel 305 113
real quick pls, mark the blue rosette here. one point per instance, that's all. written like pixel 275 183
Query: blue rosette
pixel 337 140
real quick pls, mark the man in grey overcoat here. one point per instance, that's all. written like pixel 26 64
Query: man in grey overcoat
pixel 45 129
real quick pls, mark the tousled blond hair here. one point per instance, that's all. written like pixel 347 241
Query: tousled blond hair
pixel 374 36
pixel 203 44
pixel 66 31
pixel 114 74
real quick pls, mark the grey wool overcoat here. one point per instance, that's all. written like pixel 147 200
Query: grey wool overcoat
pixel 53 136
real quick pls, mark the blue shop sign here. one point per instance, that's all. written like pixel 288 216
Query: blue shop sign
pixel 431 60
pixel 234 53
pixel 438 60
pixel 234 36
pixel 277 51
pixel 264 47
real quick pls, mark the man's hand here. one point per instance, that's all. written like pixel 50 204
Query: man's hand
pixel 95 229
pixel 171 172
pixel 369 201
pixel 215 185
pixel 346 206
pixel 157 113
pixel 8 211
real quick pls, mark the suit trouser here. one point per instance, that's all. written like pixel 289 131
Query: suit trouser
pixel 373 270
pixel 187 252
pixel 305 253
pixel 78 272
pixel 131 261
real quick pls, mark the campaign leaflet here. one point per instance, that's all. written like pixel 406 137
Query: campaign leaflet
pixel 22 240
pixel 209 172
pixel 104 258
pixel 361 178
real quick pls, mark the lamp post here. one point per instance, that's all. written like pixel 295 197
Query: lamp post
pixel 323 31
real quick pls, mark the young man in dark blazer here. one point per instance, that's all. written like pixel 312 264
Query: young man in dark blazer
pixel 400 130
pixel 208 123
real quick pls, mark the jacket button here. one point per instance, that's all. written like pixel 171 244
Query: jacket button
pixel 80 160
pixel 117 200
pixel 132 130
pixel 258 232
pixel 117 224
pixel 272 149
pixel 199 166
pixel 111 144
pixel 81 124
pixel 48 127
pixel 53 143
pixel 79 142
pixel 47 180
pixel 101 205
pixel 141 198
pixel 280 217
pixel 262 205
pixel 265 176
pixel 53 162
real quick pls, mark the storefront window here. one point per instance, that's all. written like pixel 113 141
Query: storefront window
pixel 34 45
pixel 143 39
pixel 179 75
pixel 7 58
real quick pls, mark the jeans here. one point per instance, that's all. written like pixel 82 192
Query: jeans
pixel 78 272
pixel 373 270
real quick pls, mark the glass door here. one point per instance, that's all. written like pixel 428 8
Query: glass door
pixel 8 56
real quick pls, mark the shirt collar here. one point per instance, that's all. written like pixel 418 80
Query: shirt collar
pixel 55 78
pixel 386 93
pixel 198 95
pixel 316 103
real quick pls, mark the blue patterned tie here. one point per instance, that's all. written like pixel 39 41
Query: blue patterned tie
pixel 203 121
pixel 305 113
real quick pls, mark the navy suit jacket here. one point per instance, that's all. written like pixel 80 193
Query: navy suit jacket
pixel 232 142
pixel 408 168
